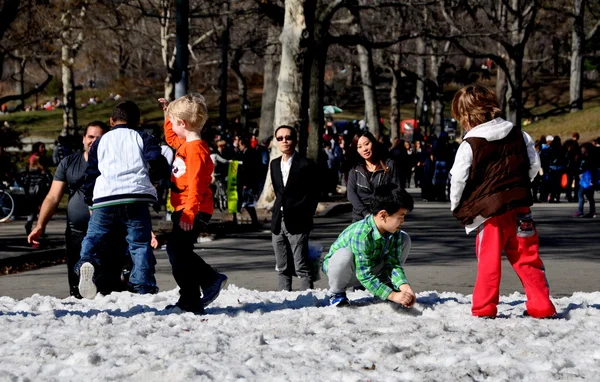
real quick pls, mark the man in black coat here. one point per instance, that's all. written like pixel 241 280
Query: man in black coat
pixel 293 178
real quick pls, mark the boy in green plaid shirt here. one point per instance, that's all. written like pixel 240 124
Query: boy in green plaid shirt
pixel 371 252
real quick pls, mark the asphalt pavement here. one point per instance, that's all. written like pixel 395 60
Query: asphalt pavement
pixel 442 256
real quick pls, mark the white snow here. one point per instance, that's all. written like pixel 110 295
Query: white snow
pixel 295 336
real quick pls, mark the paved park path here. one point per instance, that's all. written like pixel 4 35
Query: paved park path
pixel 442 256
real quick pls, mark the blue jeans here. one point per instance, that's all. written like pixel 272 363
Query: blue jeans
pixel 132 220
pixel 589 194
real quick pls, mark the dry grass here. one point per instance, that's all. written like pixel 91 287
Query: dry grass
pixel 585 122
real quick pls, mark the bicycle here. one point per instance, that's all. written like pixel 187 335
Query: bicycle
pixel 220 196
pixel 220 192
pixel 8 206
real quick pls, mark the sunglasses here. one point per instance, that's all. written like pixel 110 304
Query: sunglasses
pixel 286 137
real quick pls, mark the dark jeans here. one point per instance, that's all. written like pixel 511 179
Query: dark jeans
pixel 190 271
pixel 132 220
pixel 110 280
pixel 589 194
pixel 73 241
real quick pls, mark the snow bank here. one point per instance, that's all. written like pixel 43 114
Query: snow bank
pixel 279 336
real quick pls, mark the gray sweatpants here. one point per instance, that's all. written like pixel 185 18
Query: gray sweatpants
pixel 342 269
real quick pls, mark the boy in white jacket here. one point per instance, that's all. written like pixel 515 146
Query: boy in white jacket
pixel 491 192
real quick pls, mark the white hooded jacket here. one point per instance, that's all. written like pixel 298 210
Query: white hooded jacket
pixel 491 131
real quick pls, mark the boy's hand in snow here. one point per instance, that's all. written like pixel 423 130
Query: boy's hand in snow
pixel 405 297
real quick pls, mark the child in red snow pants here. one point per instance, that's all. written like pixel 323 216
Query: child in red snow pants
pixel 513 232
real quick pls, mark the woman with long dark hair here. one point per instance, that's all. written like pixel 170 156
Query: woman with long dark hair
pixel 372 170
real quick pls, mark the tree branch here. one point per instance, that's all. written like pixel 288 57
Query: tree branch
pixel 593 32
pixel 33 91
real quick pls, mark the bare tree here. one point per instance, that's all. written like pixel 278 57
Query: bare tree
pixel 72 18
pixel 182 36
pixel 291 92
pixel 22 40
pixel 367 74
pixel 579 38
pixel 269 95
pixel 485 23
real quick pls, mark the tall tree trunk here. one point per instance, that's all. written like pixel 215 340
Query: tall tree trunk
pixel 182 36
pixel 349 75
pixel 395 96
pixel 168 57
pixel 514 93
pixel 577 46
pixel 297 28
pixel 223 80
pixel 367 74
pixel 436 74
pixel 124 58
pixel 242 87
pixel 421 72
pixel 267 107
pixel 317 91
pixel 501 80
pixel 556 56
pixel 69 50
pixel 501 88
pixel 20 64
pixel 68 82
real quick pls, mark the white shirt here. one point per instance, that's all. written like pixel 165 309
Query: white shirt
pixel 285 168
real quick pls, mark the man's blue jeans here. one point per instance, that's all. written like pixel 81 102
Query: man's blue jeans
pixel 132 220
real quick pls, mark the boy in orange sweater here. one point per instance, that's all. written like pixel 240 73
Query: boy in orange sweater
pixel 192 200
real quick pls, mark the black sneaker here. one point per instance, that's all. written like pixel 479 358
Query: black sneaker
pixel 195 308
pixel 212 292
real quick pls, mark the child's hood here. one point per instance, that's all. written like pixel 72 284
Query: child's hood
pixel 493 130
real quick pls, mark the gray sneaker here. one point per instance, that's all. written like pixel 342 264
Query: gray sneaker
pixel 87 288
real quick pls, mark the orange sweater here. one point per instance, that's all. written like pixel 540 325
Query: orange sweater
pixel 191 176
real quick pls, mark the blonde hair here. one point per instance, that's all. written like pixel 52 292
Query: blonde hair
pixel 474 105
pixel 190 108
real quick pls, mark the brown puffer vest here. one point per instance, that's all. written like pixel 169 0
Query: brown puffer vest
pixel 498 180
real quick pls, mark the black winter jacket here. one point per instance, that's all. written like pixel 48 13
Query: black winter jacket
pixel 362 185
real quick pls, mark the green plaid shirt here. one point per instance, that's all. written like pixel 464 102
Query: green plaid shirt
pixel 371 248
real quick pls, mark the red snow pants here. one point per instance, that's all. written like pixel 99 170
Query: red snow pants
pixel 500 233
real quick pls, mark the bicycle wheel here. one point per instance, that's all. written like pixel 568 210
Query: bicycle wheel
pixel 7 206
